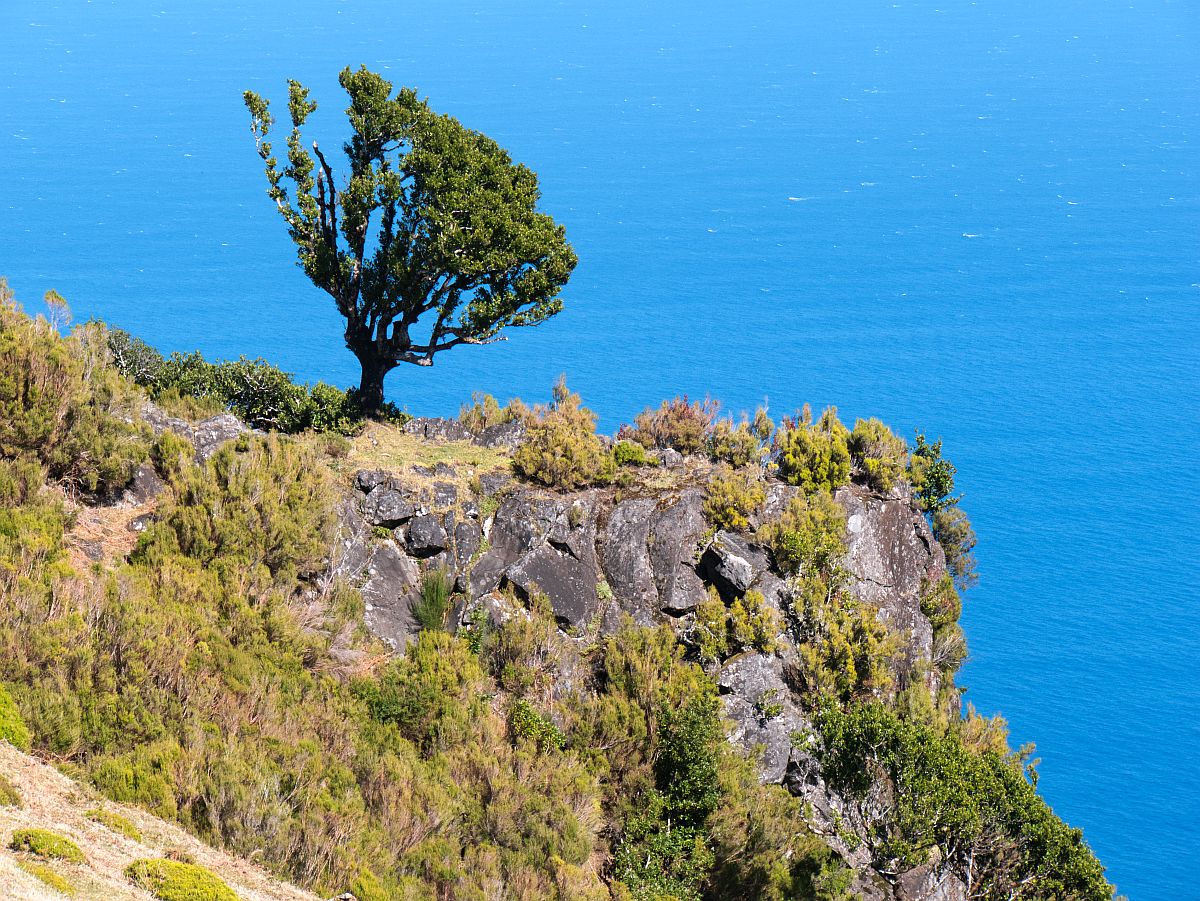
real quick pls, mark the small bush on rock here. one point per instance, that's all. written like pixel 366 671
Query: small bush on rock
pixel 630 453
pixel 808 535
pixel 430 608
pixel 171 880
pixel 753 623
pixel 44 843
pixel 485 411
pixel 881 453
pixel 710 634
pixel 563 450
pixel 814 455
pixel 743 444
pixel 733 494
pixel 680 424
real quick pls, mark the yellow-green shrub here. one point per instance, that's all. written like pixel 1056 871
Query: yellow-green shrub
pixel 733 494
pixel 171 880
pixel 44 843
pixel 12 727
pixel 115 822
pixel 809 536
pixel 814 455
pixel 710 633
pixel 753 623
pixel 47 875
pixel 9 796
pixel 563 450
pixel 882 454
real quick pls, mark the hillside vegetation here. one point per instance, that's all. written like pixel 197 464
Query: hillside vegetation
pixel 220 676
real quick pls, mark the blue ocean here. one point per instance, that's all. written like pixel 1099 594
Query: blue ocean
pixel 980 219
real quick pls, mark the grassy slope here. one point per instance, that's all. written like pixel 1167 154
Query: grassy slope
pixel 53 801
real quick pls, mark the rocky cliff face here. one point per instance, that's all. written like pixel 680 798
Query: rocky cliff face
pixel 648 553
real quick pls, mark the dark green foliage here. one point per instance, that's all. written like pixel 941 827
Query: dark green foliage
pixel 258 393
pixel 171 880
pixel 732 496
pixel 433 224
pixel 563 450
pixel 431 607
pixel 978 809
pixel 47 844
pixel 815 456
pixel 880 453
pixel 932 475
pixel 680 424
pixel 953 531
pixel 12 728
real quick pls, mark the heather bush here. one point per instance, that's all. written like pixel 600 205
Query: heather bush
pixel 9 795
pixel 813 455
pixel 563 450
pixel 12 728
pixel 114 821
pixel 953 531
pixel 753 623
pixel 880 453
pixel 47 844
pixel 172 880
pixel 680 424
pixel 485 411
pixel 710 632
pixel 630 453
pixel 732 496
pixel 809 536
pixel 736 445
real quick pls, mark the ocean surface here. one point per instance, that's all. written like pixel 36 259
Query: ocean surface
pixel 977 218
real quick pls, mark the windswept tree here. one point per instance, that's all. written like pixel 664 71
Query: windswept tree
pixel 431 239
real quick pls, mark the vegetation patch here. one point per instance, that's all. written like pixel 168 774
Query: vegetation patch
pixel 12 728
pixel 114 821
pixel 171 880
pixel 44 843
pixel 9 796
pixel 49 876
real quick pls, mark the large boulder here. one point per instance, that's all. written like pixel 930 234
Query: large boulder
pixel 389 507
pixel 393 583
pixel 426 536
pixel 433 429
pixel 213 432
pixel 733 564
pixel 675 529
pixel 625 556
pixel 569 583
pixel 762 710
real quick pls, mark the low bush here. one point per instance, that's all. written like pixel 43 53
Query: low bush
pixel 433 603
pixel 171 880
pixel 809 536
pixel 732 496
pixel 679 424
pixel 12 728
pixel 527 723
pixel 630 453
pixel 563 449
pixel 44 843
pixel 485 411
pixel 814 455
pixel 882 454
pixel 48 876
pixel 9 796
pixel 115 822
pixel 743 444
pixel 710 632
pixel 753 623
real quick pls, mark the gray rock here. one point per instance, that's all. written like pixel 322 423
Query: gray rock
pixel 467 539
pixel 141 523
pixel 388 507
pixel 509 435
pixel 929 882
pixel 487 573
pixel 437 429
pixel 367 480
pixel 674 531
pixel 492 482
pixel 625 557
pixel 393 583
pixel 426 536
pixel 568 582
pixel 445 495
pixel 213 432
pixel 762 710
pixel 143 487
pixel 670 458
pixel 732 564
pixel 444 470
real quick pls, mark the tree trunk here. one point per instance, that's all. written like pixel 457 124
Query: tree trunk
pixel 370 388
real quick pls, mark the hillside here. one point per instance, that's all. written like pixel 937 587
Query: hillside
pixel 500 655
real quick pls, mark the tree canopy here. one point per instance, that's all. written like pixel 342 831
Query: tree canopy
pixel 432 238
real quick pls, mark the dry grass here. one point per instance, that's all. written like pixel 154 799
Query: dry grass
pixel 102 534
pixel 52 801
pixel 386 447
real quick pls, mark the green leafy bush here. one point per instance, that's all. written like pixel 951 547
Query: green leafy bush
pixel 12 728
pixel 630 453
pixel 431 606
pixel 527 723
pixel 44 843
pixel 171 880
pixel 815 456
pixel 680 424
pixel 809 536
pixel 932 475
pixel 753 624
pixel 732 496
pixel 563 450
pixel 48 876
pixel 114 821
pixel 739 445
pixel 882 454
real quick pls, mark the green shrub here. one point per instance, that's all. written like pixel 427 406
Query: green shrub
pixel 932 476
pixel 45 874
pixel 115 822
pixel 754 624
pixel 12 727
pixel 43 843
pixel 431 606
pixel 815 456
pixel 563 450
pixel 881 454
pixel 629 453
pixel 940 602
pixel 845 651
pixel 953 532
pixel 171 880
pixel 733 494
pixel 738 445
pixel 809 536
pixel 9 796
pixel 710 633
pixel 485 411
pixel 679 424
pixel 527 723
